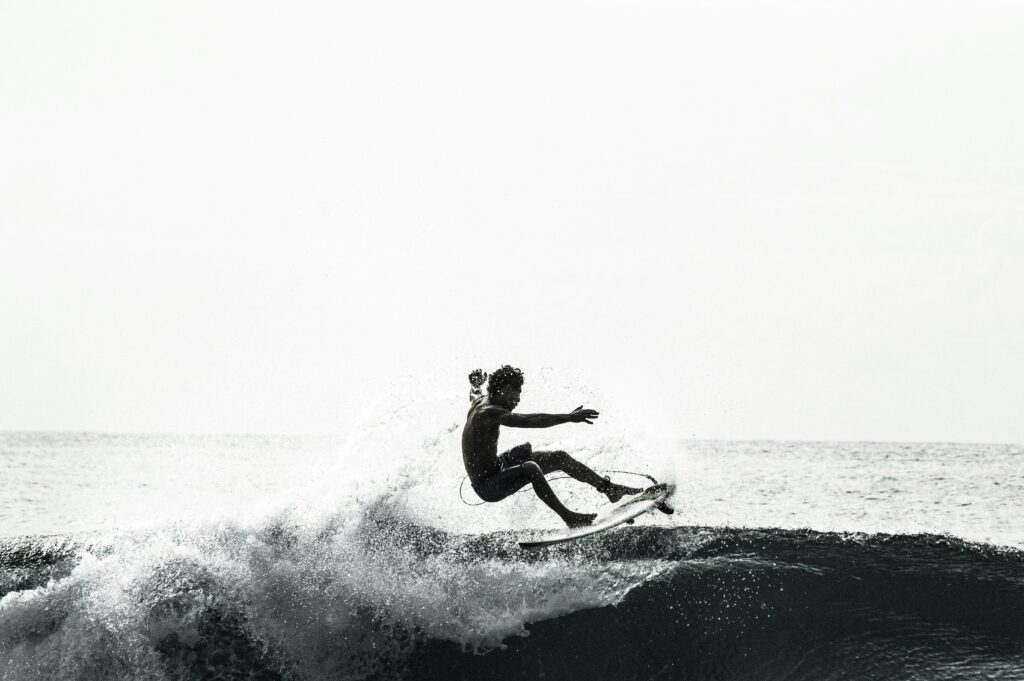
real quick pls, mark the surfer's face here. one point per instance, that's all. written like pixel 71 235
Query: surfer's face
pixel 508 396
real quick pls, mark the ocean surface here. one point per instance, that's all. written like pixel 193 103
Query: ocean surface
pixel 311 558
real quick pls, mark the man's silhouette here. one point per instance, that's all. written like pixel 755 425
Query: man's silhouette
pixel 495 477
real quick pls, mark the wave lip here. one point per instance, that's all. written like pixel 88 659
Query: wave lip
pixel 384 597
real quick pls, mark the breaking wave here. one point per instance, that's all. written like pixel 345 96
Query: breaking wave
pixel 376 595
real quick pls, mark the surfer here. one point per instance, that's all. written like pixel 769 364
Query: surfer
pixel 495 477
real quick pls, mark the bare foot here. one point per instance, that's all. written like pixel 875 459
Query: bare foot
pixel 574 520
pixel 615 492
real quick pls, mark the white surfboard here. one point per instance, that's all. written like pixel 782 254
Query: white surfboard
pixel 624 511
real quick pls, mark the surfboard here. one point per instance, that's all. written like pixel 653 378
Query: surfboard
pixel 653 497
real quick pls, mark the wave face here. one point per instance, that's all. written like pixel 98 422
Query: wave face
pixel 380 596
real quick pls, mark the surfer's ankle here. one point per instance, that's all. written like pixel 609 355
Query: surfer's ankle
pixel 615 492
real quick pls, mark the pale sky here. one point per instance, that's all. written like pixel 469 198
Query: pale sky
pixel 786 220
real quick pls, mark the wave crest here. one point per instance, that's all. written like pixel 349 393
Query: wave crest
pixel 377 595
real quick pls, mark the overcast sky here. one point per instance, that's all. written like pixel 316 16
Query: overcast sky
pixel 795 220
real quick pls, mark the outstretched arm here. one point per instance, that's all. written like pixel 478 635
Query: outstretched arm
pixel 578 415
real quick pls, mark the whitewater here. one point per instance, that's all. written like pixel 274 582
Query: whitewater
pixel 155 556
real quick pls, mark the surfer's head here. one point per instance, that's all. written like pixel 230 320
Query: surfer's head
pixel 504 386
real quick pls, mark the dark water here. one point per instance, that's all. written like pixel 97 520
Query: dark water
pixel 678 603
pixel 784 605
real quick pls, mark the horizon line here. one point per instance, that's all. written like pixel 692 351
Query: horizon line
pixel 197 433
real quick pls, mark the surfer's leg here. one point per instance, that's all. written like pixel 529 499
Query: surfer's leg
pixel 561 461
pixel 509 480
pixel 550 462
pixel 547 495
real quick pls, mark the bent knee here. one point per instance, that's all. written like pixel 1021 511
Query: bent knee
pixel 533 470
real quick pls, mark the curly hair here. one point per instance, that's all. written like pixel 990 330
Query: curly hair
pixel 506 375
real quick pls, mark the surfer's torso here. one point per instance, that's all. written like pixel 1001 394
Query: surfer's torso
pixel 480 439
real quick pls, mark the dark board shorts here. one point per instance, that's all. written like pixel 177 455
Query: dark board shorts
pixel 510 478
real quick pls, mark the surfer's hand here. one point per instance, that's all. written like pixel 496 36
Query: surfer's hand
pixel 477 378
pixel 581 415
